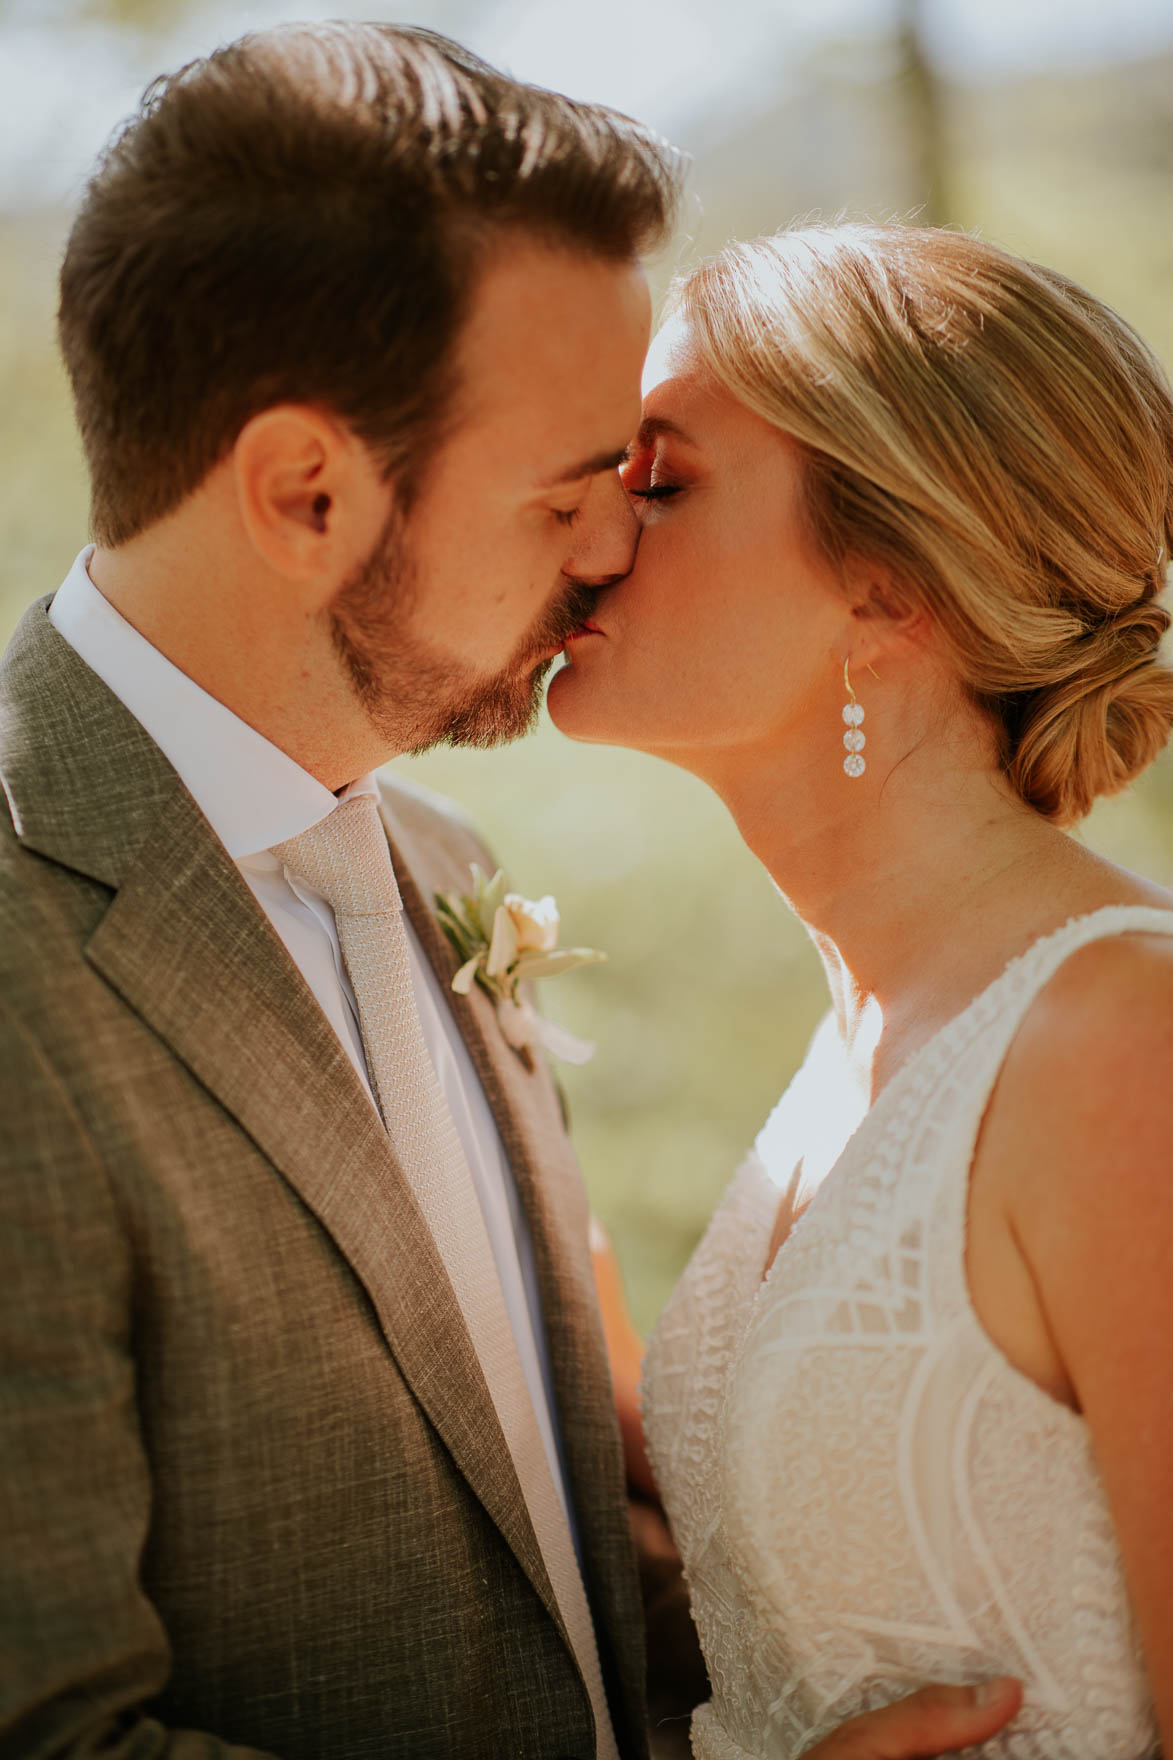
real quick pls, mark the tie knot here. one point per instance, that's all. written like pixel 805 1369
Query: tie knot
pixel 346 858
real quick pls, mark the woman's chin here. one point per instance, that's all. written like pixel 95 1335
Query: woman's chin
pixel 576 709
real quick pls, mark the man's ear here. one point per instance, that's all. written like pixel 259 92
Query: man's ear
pixel 310 497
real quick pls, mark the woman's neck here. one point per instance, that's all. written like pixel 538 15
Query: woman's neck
pixel 915 884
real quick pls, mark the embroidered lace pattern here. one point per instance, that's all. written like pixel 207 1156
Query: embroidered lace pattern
pixel 867 1495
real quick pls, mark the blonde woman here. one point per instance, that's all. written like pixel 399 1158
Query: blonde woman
pixel 906 513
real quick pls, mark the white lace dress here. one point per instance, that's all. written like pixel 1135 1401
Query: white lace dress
pixel 866 1494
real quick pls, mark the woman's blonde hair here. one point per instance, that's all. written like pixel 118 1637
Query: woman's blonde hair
pixel 1001 443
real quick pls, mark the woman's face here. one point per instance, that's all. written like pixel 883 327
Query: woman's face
pixel 730 633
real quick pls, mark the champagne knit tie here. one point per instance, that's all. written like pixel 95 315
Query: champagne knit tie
pixel 346 858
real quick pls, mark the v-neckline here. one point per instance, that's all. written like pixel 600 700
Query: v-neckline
pixel 903 1075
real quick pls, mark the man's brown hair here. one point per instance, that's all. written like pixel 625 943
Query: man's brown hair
pixel 300 218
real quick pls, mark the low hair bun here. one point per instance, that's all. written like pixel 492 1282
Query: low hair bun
pixel 1096 728
pixel 996 440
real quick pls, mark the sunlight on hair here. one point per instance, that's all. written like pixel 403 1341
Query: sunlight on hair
pixel 1001 443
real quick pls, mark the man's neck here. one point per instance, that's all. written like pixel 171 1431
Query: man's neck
pixel 233 630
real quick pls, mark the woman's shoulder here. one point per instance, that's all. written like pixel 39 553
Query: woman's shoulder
pixel 1107 944
pixel 1110 1000
pixel 1085 1096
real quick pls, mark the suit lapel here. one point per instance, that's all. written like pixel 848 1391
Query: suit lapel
pixel 185 944
pixel 528 1115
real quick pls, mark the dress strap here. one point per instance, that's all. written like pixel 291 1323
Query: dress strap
pixel 1027 975
pixel 982 1034
pixel 949 1091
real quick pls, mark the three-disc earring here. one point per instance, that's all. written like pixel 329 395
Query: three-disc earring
pixel 855 739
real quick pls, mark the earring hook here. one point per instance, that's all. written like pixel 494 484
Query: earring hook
pixel 847 676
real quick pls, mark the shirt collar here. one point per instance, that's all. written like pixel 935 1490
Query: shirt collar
pixel 252 794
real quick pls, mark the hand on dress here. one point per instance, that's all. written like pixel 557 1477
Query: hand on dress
pixel 936 1720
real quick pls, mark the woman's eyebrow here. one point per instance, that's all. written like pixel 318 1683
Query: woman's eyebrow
pixel 653 427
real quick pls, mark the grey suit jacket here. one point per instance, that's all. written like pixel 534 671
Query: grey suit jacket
pixel 253 1492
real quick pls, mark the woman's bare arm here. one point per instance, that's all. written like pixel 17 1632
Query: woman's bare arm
pixel 625 1350
pixel 1081 1134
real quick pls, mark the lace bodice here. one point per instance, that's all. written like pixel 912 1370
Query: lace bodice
pixel 867 1495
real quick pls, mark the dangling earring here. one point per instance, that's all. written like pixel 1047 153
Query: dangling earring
pixel 854 740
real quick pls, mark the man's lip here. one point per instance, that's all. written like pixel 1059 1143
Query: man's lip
pixel 586 628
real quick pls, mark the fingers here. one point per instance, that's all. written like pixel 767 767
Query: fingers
pixel 934 1721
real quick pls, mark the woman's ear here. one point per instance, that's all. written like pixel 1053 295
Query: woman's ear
pixel 310 498
pixel 884 613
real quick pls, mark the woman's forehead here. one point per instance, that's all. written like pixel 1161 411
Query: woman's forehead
pixel 672 355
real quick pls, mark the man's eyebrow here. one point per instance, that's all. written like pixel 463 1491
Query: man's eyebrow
pixel 588 467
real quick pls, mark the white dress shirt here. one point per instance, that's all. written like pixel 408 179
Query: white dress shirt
pixel 253 796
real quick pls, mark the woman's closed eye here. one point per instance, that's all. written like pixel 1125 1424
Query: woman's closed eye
pixel 655 491
pixel 648 482
pixel 646 478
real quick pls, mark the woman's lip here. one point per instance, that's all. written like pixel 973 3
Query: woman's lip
pixel 584 629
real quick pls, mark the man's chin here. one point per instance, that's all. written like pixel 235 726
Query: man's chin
pixel 493 715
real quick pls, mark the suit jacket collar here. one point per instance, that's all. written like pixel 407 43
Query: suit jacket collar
pixel 86 785
pixel 252 793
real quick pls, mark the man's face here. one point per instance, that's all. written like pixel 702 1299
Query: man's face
pixel 452 624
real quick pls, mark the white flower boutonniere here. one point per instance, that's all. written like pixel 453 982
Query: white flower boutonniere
pixel 502 940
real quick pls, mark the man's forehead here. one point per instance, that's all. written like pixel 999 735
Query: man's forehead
pixel 545 322
pixel 542 440
pixel 547 369
pixel 547 439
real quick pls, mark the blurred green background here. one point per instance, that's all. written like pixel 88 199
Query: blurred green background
pixel 1048 129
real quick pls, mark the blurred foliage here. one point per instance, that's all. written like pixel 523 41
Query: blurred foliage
pixel 712 990
pixel 139 15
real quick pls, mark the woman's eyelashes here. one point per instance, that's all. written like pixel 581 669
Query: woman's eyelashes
pixel 566 516
pixel 648 482
pixel 656 491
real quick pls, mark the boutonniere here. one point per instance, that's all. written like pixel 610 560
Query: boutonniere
pixel 501 941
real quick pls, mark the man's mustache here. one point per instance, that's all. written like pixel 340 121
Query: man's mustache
pixel 572 609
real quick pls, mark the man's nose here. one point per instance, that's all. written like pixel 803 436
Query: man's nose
pixel 607 535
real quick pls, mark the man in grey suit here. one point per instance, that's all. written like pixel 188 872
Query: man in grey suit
pixel 308 1446
pixel 354 327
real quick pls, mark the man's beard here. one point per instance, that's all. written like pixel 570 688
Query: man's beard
pixel 414 695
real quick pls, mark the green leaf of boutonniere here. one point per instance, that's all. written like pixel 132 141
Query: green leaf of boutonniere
pixel 454 925
pixel 489 899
